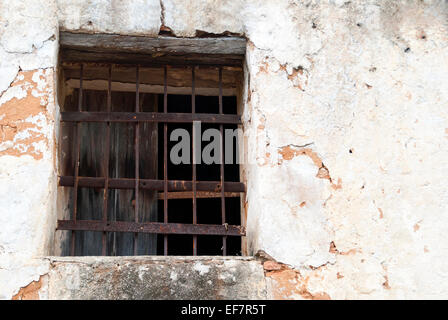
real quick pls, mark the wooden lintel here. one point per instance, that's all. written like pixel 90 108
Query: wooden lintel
pixel 160 45
pixel 143 50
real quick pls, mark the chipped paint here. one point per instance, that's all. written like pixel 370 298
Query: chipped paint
pixel 24 118
pixel 344 107
pixel 201 268
pixel 289 152
pixel 31 291
pixel 289 284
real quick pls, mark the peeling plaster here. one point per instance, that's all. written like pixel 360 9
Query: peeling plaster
pixel 344 109
pixel 28 55
pixel 31 291
pixel 288 284
pixel 139 17
pixel 24 116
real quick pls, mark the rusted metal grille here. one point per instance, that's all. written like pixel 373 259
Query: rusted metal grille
pixel 168 189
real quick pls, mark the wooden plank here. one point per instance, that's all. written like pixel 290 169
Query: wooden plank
pixel 160 45
pixel 150 184
pixel 95 77
pixel 91 155
pixel 147 243
pixel 156 59
pixel 149 117
pixel 176 76
pixel 122 156
pixel 101 85
pixel 151 227
pixel 121 151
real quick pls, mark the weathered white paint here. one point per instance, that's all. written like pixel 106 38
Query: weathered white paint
pixel 362 91
pixel 28 41
pixel 121 17
pixel 323 76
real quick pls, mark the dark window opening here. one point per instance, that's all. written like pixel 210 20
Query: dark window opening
pixel 124 195
pixel 208 209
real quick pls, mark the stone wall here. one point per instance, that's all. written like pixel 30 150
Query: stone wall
pixel 155 278
pixel 345 109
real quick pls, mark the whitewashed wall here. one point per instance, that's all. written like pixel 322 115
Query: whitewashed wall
pixel 346 109
pixel 28 52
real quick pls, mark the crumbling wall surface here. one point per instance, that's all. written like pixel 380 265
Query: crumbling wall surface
pixel 139 17
pixel 345 114
pixel 350 100
pixel 345 111
pixel 28 51
pixel 156 278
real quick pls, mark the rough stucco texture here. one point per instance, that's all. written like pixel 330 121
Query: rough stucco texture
pixel 345 113
pixel 156 278
pixel 364 87
pixel 28 54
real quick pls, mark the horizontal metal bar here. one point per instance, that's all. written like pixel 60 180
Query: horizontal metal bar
pixel 199 195
pixel 151 227
pixel 149 117
pixel 149 184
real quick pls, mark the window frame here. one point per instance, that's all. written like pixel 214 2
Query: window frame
pixel 222 187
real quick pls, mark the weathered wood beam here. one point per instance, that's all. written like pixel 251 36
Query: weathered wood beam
pixel 102 85
pixel 159 46
pixel 143 59
pixel 110 48
pixel 151 79
pixel 205 76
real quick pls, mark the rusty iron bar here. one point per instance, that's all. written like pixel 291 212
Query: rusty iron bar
pixel 151 227
pixel 223 196
pixel 172 189
pixel 106 162
pixel 137 154
pixel 193 111
pixel 165 159
pixel 149 117
pixel 199 195
pixel 77 159
pixel 151 184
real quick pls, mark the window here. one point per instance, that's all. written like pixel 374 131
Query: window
pixel 129 135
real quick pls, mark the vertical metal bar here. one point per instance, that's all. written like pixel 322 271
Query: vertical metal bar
pixel 223 199
pixel 165 160
pixel 137 154
pixel 193 110
pixel 106 161
pixel 77 155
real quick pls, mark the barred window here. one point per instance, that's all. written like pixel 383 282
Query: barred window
pixel 149 159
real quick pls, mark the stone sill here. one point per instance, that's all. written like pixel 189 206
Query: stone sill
pixel 94 259
pixel 155 277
